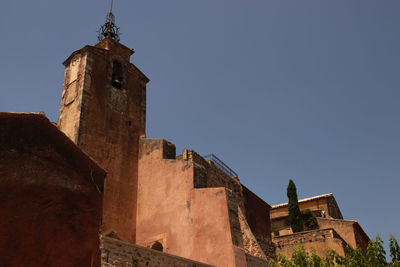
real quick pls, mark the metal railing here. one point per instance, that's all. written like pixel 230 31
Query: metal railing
pixel 220 164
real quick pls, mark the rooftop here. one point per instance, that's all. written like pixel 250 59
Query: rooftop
pixel 304 200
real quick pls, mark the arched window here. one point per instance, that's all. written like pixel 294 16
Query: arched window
pixel 157 246
pixel 116 80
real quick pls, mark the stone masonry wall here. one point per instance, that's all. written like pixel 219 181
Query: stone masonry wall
pixel 350 231
pixel 317 240
pixel 207 174
pixel 233 210
pixel 117 253
pixel 250 243
pixel 255 261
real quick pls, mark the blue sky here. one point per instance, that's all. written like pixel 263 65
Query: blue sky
pixel 307 90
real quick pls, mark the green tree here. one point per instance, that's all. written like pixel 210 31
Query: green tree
pixel 394 251
pixel 354 257
pixel 296 221
pixel 300 257
pixel 281 262
pixel 309 220
pixel 332 257
pixel 315 260
pixel 376 253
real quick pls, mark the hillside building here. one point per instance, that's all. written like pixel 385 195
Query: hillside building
pixel 330 231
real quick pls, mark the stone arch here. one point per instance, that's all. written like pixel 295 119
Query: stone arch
pixel 157 246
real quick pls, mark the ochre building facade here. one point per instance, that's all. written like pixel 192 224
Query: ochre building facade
pixel 331 230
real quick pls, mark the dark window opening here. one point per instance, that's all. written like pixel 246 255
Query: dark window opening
pixel 116 80
pixel 157 246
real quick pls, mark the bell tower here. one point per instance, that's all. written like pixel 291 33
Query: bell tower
pixel 103 110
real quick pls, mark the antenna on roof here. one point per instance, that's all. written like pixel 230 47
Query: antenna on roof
pixel 109 29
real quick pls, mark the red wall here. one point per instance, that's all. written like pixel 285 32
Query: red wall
pixel 50 206
pixel 257 214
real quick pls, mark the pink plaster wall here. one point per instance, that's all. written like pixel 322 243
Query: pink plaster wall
pixel 191 223
pixel 240 256
pixel 211 229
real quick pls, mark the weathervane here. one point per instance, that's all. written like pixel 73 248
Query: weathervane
pixel 109 29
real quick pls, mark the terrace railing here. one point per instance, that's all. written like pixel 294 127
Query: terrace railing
pixel 220 164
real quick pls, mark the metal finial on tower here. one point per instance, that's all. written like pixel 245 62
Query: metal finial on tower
pixel 112 2
pixel 109 29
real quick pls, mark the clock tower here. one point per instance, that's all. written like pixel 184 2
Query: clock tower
pixel 103 110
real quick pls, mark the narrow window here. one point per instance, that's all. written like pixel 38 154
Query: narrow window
pixel 157 246
pixel 116 80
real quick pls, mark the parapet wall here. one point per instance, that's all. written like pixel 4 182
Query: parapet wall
pixel 350 231
pixel 208 175
pixel 250 243
pixel 115 253
pixel 188 220
pixel 317 240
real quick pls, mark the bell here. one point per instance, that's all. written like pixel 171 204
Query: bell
pixel 116 83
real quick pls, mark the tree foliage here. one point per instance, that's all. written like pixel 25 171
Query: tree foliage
pixel 376 254
pixel 309 220
pixel 394 251
pixel 296 222
pixel 375 257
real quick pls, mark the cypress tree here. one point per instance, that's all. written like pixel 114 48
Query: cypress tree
pixel 296 221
